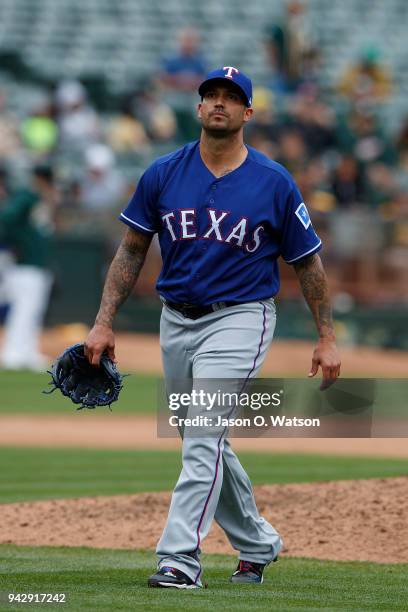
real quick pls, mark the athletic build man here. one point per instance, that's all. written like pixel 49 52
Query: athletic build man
pixel 224 213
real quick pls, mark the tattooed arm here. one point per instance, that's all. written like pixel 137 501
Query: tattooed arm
pixel 120 280
pixel 313 281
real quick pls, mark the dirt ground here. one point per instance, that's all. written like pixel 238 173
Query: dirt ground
pixel 363 520
pixel 89 429
pixel 141 353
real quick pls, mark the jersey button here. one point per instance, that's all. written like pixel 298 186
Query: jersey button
pixel 214 187
pixel 212 201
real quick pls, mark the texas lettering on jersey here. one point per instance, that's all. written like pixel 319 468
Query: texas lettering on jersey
pixel 220 237
pixel 181 224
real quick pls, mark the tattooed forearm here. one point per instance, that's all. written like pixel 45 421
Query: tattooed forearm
pixel 313 281
pixel 122 275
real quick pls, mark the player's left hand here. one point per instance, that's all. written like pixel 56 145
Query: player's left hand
pixel 326 355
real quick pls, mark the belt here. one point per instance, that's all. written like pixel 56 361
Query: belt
pixel 194 311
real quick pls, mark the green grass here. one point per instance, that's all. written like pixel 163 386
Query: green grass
pixel 21 392
pixel 116 580
pixel 28 474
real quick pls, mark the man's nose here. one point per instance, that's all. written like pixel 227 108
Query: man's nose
pixel 219 100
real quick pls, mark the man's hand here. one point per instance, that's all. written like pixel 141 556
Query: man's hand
pixel 100 338
pixel 327 357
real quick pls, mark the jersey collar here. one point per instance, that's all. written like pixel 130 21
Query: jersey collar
pixel 208 171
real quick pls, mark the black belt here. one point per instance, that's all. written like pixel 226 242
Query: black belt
pixel 194 311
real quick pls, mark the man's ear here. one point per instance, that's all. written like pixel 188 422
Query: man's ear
pixel 248 114
pixel 199 106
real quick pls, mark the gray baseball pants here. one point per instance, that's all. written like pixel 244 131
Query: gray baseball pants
pixel 228 343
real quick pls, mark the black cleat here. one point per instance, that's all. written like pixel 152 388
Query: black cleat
pixel 248 573
pixel 171 577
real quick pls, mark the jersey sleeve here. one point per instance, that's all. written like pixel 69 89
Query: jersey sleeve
pixel 141 211
pixel 298 236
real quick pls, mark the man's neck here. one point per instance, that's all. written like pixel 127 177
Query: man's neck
pixel 222 155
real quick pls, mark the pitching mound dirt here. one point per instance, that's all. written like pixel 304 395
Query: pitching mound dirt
pixel 362 520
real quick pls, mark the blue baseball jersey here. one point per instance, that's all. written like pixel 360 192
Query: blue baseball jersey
pixel 220 238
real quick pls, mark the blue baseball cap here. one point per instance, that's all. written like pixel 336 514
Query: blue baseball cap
pixel 233 75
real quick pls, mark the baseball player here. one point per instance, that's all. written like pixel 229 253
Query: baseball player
pixel 224 213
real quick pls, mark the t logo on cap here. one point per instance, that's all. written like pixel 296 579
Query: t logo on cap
pixel 238 78
pixel 230 69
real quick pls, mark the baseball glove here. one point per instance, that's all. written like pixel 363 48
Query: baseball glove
pixel 83 383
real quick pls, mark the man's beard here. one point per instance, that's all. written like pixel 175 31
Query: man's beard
pixel 219 133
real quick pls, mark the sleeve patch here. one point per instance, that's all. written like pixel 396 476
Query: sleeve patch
pixel 303 215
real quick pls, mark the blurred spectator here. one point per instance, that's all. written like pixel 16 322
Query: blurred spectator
pixel 361 135
pixel 78 122
pixel 39 131
pixel 6 258
pixel 292 151
pixel 356 242
pixel 396 256
pixel 26 227
pixel 263 130
pixel 313 119
pixel 288 45
pixel 185 70
pixel 126 134
pixel 347 183
pixel 402 137
pixel 381 185
pixel 179 77
pixel 311 66
pixel 367 79
pixel 102 187
pixel 314 183
pixel 4 184
pixel 156 116
pixel 260 142
pixel 401 171
pixel 9 130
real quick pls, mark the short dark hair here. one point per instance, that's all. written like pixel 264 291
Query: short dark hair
pixel 44 171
